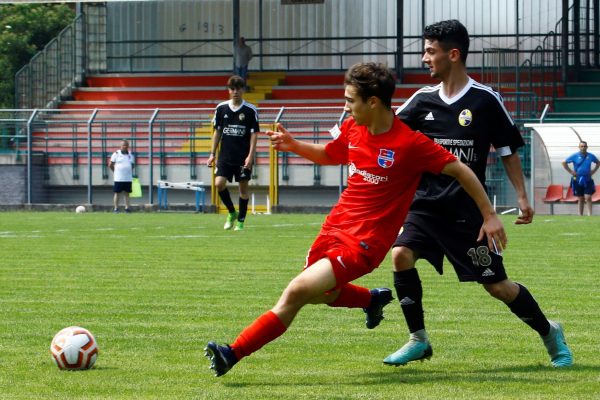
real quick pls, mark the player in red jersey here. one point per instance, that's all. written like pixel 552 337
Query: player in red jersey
pixel 386 160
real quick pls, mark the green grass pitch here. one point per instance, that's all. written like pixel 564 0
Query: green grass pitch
pixel 155 287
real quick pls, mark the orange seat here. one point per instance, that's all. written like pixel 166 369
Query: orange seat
pixel 596 195
pixel 554 193
pixel 570 197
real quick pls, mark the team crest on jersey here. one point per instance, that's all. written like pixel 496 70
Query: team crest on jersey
pixel 385 159
pixel 242 117
pixel 465 117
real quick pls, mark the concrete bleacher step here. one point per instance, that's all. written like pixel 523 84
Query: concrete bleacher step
pixel 589 75
pixel 157 80
pixel 267 89
pixel 331 92
pixel 150 104
pixel 324 78
pixel 583 89
pixel 577 104
pixel 254 83
pixel 267 75
pixel 156 93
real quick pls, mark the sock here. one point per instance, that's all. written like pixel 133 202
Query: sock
pixel 263 330
pixel 410 294
pixel 226 199
pixel 243 209
pixel 419 336
pixel 352 296
pixel 527 309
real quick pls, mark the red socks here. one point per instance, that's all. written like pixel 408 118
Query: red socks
pixel 263 330
pixel 269 327
pixel 352 296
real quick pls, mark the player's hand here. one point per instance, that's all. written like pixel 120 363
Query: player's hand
pixel 525 213
pixel 281 139
pixel 493 230
pixel 210 161
pixel 248 163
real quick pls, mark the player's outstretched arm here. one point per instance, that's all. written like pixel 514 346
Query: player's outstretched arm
pixel 514 171
pixel 596 166
pixel 213 148
pixel 282 140
pixel 492 227
pixel 249 161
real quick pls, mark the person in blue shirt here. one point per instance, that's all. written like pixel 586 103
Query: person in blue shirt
pixel 582 183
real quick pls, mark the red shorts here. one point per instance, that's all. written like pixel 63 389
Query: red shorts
pixel 349 257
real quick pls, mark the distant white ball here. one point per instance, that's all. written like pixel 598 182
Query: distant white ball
pixel 80 209
pixel 74 348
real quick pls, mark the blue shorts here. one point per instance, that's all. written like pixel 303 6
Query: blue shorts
pixel 583 185
pixel 119 187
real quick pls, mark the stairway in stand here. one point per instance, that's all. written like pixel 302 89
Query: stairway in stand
pixel 582 100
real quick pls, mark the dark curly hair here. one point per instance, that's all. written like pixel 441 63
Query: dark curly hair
pixel 450 34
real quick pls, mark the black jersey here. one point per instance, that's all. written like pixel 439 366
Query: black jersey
pixel 466 125
pixel 236 127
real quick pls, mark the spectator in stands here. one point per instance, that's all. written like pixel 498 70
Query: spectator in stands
pixel 121 163
pixel 235 128
pixel 386 160
pixel 242 55
pixel 582 183
pixel 466 117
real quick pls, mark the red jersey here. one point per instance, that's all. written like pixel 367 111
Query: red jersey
pixel 383 173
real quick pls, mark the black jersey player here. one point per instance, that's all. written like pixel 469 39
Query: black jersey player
pixel 235 127
pixel 466 117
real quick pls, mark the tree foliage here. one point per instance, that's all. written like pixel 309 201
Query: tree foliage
pixel 24 30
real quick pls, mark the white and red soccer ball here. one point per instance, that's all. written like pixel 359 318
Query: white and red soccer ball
pixel 74 348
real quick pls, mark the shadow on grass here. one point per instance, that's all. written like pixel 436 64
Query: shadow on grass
pixel 537 373
pixel 529 374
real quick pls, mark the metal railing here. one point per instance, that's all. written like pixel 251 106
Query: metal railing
pixel 52 73
pixel 174 144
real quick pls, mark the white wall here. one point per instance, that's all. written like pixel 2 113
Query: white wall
pixel 212 20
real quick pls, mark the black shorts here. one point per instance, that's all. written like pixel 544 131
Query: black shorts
pixel 119 187
pixel 229 171
pixel 433 238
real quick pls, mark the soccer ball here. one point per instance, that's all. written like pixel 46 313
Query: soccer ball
pixel 74 348
pixel 80 209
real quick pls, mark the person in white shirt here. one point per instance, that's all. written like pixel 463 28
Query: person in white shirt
pixel 121 163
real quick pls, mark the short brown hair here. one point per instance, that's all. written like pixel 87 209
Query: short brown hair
pixel 236 82
pixel 372 79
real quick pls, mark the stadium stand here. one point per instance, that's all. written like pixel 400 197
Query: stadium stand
pixel 267 89
pixel 580 100
pixel 125 103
